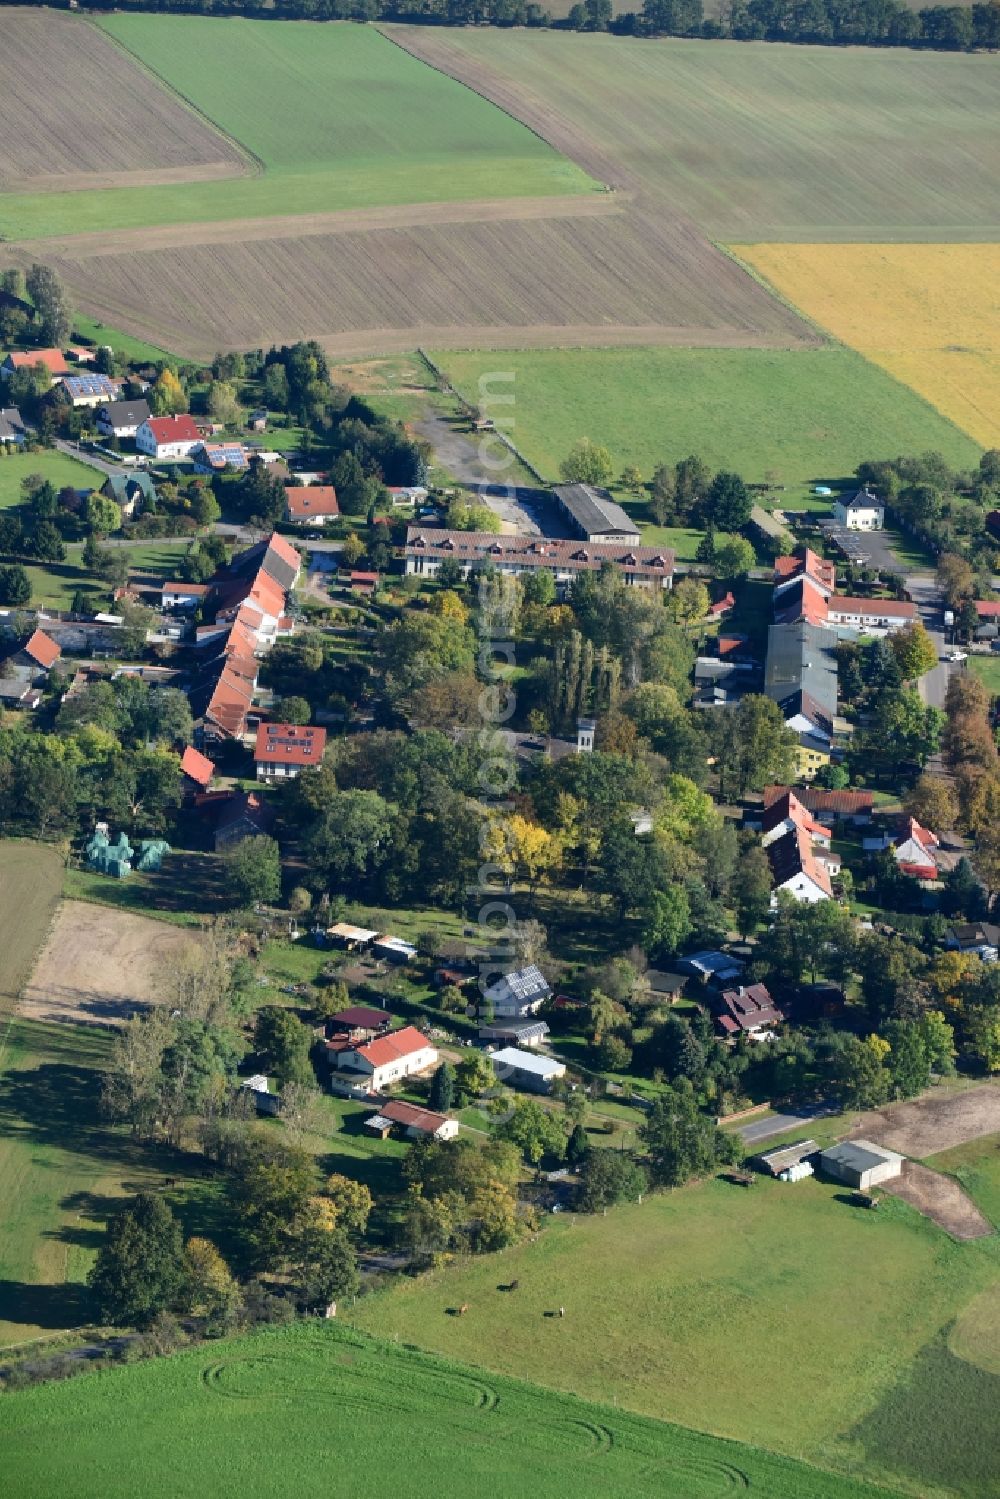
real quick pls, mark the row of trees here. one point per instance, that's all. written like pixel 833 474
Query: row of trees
pixel 871 22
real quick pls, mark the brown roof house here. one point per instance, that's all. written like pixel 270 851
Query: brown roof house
pixel 748 1011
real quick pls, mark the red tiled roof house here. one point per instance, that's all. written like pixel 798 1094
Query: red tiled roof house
pixel 284 750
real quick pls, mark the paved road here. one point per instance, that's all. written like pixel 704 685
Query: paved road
pixel 779 1124
pixel 923 590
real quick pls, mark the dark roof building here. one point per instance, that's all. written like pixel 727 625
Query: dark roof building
pixel 593 514
pixel 121 418
pixel 802 658
pixel 748 1010
pixel 12 427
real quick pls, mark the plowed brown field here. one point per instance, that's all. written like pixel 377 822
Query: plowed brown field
pixel 581 271
pixel 76 112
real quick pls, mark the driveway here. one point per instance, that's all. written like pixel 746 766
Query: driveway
pixel 779 1124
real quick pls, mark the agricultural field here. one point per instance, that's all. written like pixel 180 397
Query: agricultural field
pixel 308 1408
pixel 927 314
pixel 755 141
pixel 55 71
pixel 354 122
pixel 804 416
pixel 717 1285
pixel 600 273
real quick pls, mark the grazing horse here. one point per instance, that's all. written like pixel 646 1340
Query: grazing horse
pixel 463 1309
pixel 513 1285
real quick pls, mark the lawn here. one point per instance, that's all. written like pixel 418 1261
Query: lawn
pixel 60 1165
pixel 987 669
pixel 332 117
pixel 927 314
pixel 697 1292
pixel 309 1409
pixel 60 471
pixel 53 584
pixel 801 417
pixel 759 141
pixel 123 343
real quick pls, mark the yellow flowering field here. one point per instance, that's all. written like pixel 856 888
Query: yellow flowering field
pixel 928 314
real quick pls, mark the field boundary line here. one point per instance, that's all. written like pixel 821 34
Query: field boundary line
pixel 826 338
pixel 495 104
pixel 256 163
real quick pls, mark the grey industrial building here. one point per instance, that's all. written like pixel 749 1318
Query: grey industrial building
pixel 594 515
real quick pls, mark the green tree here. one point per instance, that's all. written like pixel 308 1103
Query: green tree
pixel 753 748
pixel 442 1091
pixel 607 1178
pixel 909 1063
pixel 103 515
pixel 587 463
pixel 224 404
pixel 534 1130
pixel 253 868
pixel 914 650
pixel 269 1197
pixel 140 1268
pixel 734 557
pixel 15 585
pixel 938 1038
pixel 324 1267
pixel 352 1202
pixel 751 890
pixel 667 922
pixel 474 1075
pixel 283 1044
pixel 578 1145
pixel 858 1074
pixel 728 502
pixel 681 1141
pixel 52 308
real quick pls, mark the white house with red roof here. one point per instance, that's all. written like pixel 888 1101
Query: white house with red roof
pixel 283 751
pixel 311 505
pixel 796 868
pixel 167 437
pixel 914 850
pixel 386 1060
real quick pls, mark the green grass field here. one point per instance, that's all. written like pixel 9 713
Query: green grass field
pixel 56 467
pixel 763 142
pixel 987 669
pixel 123 343
pixel 335 116
pixel 813 1311
pixel 319 1410
pixel 806 416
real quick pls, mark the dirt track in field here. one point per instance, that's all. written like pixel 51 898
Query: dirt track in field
pixel 934 1123
pixel 941 1199
pixel 99 965
pixel 303 226
pixel 76 111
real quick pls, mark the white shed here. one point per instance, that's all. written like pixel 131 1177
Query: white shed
pixel 860 1163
